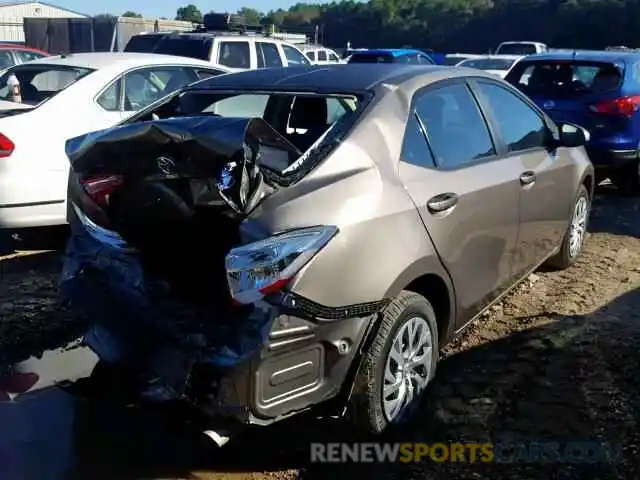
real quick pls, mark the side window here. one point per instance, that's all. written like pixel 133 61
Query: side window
pixel 268 55
pixel 456 130
pixel 110 98
pixel 294 57
pixel 424 60
pixel 333 57
pixel 415 149
pixel 322 56
pixel 312 55
pixel 6 60
pixel 26 56
pixel 234 54
pixel 144 86
pixel 520 126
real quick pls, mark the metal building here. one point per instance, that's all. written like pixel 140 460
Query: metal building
pixel 13 13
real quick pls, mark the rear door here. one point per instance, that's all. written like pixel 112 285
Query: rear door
pixel 545 177
pixel 466 193
pixel 570 91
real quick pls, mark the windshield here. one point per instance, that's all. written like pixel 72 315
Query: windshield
pixel 517 49
pixel 488 63
pixel 40 82
pixel 565 78
pixel 370 58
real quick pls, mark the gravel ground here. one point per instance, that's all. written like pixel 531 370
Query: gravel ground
pixel 557 360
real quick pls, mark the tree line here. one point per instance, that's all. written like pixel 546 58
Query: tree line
pixel 455 25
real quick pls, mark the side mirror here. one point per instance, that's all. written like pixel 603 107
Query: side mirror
pixel 572 135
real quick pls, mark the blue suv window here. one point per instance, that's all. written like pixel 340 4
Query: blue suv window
pixel 565 78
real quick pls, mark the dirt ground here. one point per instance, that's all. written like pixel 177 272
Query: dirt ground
pixel 557 360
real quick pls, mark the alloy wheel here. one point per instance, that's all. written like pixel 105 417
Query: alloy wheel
pixel 407 368
pixel 578 227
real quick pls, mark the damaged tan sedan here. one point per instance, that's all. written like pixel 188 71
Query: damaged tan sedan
pixel 267 242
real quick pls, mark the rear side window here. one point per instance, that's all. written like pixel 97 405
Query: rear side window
pixel 565 78
pixel 182 46
pixel 457 131
pixel 6 60
pixel 234 54
pixel 294 57
pixel 268 55
pixel 415 149
pixel 322 55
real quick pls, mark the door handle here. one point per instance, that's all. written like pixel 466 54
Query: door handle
pixel 442 202
pixel 527 178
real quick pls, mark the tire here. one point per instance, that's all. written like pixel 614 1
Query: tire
pixel 367 408
pixel 566 257
pixel 627 179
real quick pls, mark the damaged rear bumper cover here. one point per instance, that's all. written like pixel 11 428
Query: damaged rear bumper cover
pixel 281 357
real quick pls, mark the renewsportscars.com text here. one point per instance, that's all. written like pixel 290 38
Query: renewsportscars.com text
pixel 504 452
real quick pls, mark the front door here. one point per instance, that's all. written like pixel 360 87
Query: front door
pixel 467 195
pixel 545 179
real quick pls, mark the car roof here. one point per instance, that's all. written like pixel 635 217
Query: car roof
pixel 589 55
pixel 22 48
pixel 98 60
pixel 320 78
pixel 395 52
pixel 206 35
pixel 498 57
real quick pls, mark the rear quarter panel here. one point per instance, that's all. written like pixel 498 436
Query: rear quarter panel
pixel 382 244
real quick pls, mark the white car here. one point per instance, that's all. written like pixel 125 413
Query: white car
pixel 497 64
pixel 63 97
pixel 320 55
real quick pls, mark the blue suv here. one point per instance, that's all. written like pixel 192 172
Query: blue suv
pixel 599 91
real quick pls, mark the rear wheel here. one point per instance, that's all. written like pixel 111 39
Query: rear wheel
pixel 574 238
pixel 398 366
pixel 627 179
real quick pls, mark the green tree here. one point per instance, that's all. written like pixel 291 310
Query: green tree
pixel 131 14
pixel 189 13
pixel 252 15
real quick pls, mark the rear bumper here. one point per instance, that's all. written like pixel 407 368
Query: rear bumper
pixel 254 368
pixel 37 214
pixel 607 159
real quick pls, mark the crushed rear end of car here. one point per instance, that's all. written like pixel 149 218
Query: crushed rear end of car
pixel 186 294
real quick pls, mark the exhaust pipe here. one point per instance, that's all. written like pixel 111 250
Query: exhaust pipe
pixel 220 438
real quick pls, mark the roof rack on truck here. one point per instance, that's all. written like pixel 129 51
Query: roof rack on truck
pixel 228 23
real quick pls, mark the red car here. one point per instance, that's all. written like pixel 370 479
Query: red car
pixel 12 54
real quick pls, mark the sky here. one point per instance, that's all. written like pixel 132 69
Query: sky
pixel 166 8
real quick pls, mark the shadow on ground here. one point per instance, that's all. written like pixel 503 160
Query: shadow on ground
pixel 574 379
pixel 614 213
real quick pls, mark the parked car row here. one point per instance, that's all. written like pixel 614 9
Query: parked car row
pixel 262 242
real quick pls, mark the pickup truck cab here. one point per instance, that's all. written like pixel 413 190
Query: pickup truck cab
pixel 521 48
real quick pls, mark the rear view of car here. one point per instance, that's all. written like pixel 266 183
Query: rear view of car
pixel 599 91
pixel 498 65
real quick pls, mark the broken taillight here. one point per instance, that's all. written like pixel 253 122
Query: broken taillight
pixel 16 384
pixel 263 268
pixel 625 106
pixel 100 188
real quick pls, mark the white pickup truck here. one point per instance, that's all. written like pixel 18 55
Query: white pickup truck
pixel 520 48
